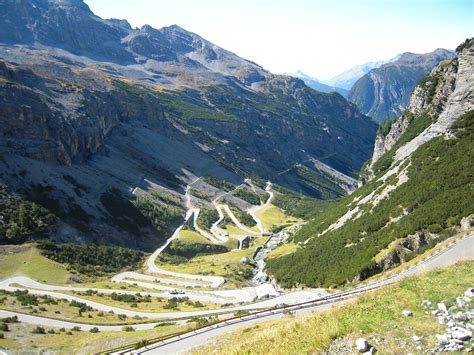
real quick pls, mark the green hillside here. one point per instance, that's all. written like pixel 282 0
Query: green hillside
pixel 436 196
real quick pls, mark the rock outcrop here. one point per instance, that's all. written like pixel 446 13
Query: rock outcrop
pixel 457 319
pixel 429 100
pixel 401 250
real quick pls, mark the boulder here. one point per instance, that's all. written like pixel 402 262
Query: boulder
pixel 469 292
pixel 460 316
pixel 460 302
pixel 407 313
pixel 442 307
pixel 462 335
pixel 467 222
pixel 442 339
pixel 246 241
pixel 245 260
pixel 426 303
pixel 362 345
pixel 371 351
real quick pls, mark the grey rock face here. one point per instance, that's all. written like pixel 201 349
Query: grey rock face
pixel 64 24
pixel 467 223
pixel 402 249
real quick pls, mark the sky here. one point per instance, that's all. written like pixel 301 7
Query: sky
pixel 321 38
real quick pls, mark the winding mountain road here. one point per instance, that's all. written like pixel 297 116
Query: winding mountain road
pixel 244 295
pixel 300 302
pixel 253 211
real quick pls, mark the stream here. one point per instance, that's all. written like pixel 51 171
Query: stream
pixel 259 275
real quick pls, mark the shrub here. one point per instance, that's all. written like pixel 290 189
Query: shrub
pixel 242 216
pixel 22 220
pixel 25 298
pixel 190 250
pixel 221 184
pixel 247 195
pixel 92 259
pixel 13 319
pixel 38 330
pixel 141 344
pixel 207 217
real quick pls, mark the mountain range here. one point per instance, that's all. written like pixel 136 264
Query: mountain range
pixel 347 78
pixel 93 110
pixel 384 92
pixel 318 85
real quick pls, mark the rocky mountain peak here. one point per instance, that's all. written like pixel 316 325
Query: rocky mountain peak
pixel 425 59
pixel 71 4
pixel 124 24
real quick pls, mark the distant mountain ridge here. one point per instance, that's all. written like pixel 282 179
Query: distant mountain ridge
pixel 318 85
pixel 384 92
pixel 347 78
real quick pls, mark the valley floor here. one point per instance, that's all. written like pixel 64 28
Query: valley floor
pixel 143 300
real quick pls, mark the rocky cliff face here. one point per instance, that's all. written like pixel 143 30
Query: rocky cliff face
pixel 207 78
pixel 59 121
pixel 428 98
pixel 384 93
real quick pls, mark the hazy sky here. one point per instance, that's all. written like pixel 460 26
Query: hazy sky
pixel 322 38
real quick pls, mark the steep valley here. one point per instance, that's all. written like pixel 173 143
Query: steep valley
pixel 152 109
